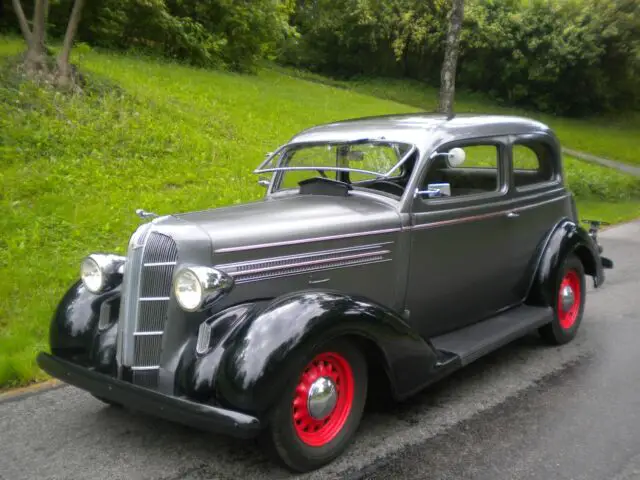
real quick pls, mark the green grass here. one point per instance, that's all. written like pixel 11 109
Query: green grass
pixel 615 137
pixel 169 139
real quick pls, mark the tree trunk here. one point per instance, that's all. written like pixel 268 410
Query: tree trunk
pixel 22 20
pixel 36 54
pixel 64 69
pixel 452 47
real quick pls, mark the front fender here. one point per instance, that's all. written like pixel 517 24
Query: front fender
pixel 73 333
pixel 565 238
pixel 270 347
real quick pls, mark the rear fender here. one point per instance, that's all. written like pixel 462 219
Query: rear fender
pixel 266 352
pixel 565 238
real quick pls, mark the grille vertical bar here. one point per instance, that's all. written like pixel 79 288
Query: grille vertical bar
pixel 158 261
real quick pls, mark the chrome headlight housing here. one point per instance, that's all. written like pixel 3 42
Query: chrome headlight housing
pixel 196 287
pixel 100 272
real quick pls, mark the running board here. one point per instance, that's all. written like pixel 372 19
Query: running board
pixel 475 341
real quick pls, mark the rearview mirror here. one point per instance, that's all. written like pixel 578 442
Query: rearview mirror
pixel 355 155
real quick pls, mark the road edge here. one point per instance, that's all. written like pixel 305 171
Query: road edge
pixel 21 393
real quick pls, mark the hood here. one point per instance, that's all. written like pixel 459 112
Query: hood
pixel 291 218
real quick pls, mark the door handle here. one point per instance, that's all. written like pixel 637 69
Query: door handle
pixel 513 215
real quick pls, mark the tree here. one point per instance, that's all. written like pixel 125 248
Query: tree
pixel 449 64
pixel 37 62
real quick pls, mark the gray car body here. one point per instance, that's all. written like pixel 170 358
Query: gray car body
pixel 442 266
pixel 420 285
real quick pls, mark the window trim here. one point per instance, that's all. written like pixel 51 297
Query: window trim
pixel 555 161
pixel 422 205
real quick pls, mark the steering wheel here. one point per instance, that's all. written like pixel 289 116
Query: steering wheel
pixel 388 187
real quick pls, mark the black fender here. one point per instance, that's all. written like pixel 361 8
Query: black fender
pixel 268 348
pixel 565 238
pixel 74 333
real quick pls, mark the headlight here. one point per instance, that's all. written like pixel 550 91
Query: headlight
pixel 195 287
pixel 100 272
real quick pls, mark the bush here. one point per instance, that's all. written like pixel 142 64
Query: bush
pixel 566 57
pixel 213 33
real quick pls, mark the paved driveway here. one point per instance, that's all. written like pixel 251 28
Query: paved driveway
pixel 526 411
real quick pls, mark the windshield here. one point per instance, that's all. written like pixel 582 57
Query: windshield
pixel 353 162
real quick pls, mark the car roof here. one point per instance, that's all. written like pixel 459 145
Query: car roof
pixel 421 129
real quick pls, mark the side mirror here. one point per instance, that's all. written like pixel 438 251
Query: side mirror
pixel 456 157
pixel 264 182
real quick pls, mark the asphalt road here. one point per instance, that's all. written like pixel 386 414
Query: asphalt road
pixel 526 411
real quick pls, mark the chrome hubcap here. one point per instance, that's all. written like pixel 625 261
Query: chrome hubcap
pixel 568 297
pixel 322 398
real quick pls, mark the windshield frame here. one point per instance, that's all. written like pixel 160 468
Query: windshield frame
pixel 282 151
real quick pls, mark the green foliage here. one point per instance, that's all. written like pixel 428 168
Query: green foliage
pixel 611 136
pixel 167 138
pixel 564 57
pixel 212 33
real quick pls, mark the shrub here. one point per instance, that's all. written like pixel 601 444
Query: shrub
pixel 567 57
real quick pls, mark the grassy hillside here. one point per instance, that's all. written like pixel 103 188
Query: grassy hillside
pixel 616 137
pixel 165 138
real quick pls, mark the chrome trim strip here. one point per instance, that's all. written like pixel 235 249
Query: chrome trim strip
pixel 154 367
pixel 303 256
pixel 261 168
pixel 143 334
pixel 306 240
pixel 301 270
pixel 377 253
pixel 204 338
pixel 472 218
pixel 159 264
pixel 154 299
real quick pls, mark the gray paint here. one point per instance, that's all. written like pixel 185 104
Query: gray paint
pixel 448 263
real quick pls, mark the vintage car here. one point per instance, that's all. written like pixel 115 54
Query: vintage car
pixel 387 253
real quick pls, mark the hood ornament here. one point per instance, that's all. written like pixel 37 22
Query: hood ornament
pixel 143 214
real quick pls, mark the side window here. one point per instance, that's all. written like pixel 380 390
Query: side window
pixel 532 164
pixel 477 173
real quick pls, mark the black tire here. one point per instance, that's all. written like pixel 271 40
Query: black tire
pixel 282 438
pixel 563 328
pixel 108 402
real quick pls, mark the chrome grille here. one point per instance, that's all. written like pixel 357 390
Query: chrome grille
pixel 156 281
pixel 150 270
pixel 146 378
pixel 147 349
pixel 153 314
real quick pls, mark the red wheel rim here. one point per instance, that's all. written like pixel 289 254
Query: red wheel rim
pixel 318 432
pixel 568 317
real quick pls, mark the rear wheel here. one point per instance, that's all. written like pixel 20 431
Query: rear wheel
pixel 568 303
pixel 316 419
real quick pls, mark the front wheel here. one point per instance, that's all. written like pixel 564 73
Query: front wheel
pixel 568 304
pixel 316 419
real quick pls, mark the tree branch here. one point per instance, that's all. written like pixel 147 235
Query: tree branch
pixel 22 20
pixel 72 28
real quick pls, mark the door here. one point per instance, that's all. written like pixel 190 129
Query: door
pixel 459 271
pixel 539 199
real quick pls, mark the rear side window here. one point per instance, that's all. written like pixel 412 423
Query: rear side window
pixel 532 164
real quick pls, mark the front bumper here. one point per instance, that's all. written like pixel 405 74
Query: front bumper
pixel 176 409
